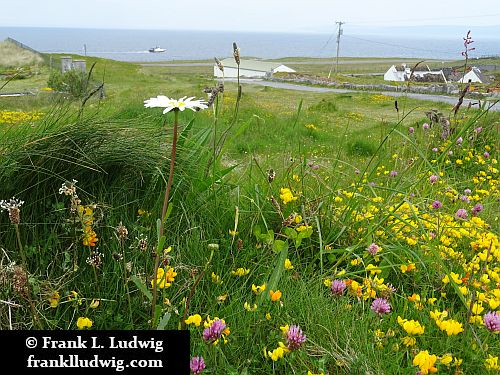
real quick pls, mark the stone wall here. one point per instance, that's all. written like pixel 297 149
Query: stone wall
pixel 451 89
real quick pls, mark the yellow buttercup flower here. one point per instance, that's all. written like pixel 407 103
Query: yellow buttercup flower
pixel 288 264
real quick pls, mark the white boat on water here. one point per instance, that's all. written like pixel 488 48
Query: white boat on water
pixel 157 49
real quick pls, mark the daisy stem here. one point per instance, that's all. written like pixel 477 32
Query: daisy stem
pixel 163 214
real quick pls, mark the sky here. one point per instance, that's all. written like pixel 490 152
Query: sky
pixel 256 15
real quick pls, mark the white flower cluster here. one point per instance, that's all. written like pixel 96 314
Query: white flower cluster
pixel 68 188
pixel 11 204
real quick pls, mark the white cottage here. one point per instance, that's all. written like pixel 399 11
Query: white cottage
pixel 250 68
pixel 403 73
pixel 475 76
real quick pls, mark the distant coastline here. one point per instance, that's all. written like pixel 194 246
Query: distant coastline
pixel 133 45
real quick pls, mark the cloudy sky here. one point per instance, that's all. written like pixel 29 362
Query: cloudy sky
pixel 256 15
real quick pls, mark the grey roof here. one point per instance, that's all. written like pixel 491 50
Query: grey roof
pixel 480 75
pixel 257 65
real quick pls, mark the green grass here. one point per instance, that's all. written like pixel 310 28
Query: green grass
pixel 339 170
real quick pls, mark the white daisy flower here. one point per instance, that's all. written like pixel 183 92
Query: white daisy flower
pixel 176 105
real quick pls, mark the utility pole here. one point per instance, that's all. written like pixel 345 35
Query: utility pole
pixel 339 33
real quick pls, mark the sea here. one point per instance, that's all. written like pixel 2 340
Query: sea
pixel 133 45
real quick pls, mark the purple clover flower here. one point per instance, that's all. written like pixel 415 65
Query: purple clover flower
pixel 461 214
pixel 437 205
pixel 433 179
pixel 435 149
pixel 492 321
pixel 295 337
pixel 373 249
pixel 486 155
pixel 338 287
pixel 425 126
pixel 476 209
pixel 478 130
pixel 214 332
pixel 393 173
pixel 460 140
pixel 465 198
pixel 381 306
pixel 411 130
pixel 197 365
pixel 467 191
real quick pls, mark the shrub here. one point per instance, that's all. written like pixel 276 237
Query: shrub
pixel 73 82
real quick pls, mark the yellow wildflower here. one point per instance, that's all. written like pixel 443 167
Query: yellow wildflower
pixel 412 327
pixel 194 319
pixel 491 363
pixel 257 289
pixel 455 277
pixel 409 341
pixel 240 272
pixel 216 279
pixel 54 299
pixel 165 277
pixel 450 326
pixel 446 359
pixel 425 362
pixel 355 261
pixel 83 322
pixel 288 264
pixel 249 307
pixel 373 269
pixel 275 295
pixel 287 196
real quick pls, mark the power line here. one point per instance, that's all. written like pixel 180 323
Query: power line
pixel 420 19
pixel 339 33
pixel 402 46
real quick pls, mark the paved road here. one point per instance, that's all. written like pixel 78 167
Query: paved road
pixel 324 62
pixel 290 86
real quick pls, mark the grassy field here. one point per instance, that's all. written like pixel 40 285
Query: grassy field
pixel 373 229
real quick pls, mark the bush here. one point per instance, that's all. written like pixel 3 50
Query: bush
pixel 73 82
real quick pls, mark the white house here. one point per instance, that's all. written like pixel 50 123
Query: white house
pixel 403 73
pixel 250 68
pixel 475 76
